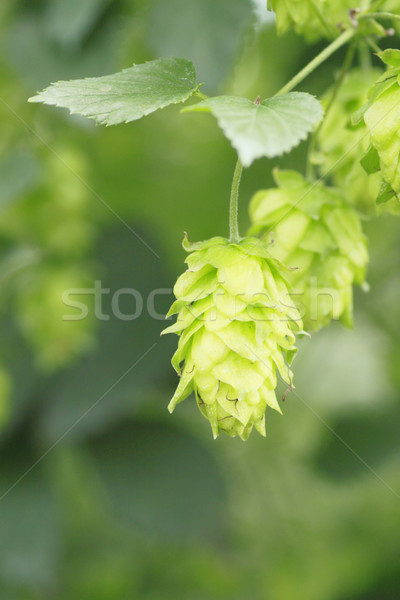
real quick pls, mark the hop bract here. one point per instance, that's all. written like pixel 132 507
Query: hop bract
pixel 313 231
pixel 236 324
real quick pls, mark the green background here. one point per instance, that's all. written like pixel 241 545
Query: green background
pixel 104 495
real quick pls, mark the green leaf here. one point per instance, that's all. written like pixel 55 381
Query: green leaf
pixel 390 57
pixel 386 193
pixel 268 129
pixel 127 95
pixel 370 161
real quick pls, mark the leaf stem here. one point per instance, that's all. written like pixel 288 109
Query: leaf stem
pixel 234 236
pixel 343 39
pixel 201 95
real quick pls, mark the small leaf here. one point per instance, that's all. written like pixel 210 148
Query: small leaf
pixel 370 161
pixel 386 193
pixel 390 57
pixel 127 95
pixel 268 129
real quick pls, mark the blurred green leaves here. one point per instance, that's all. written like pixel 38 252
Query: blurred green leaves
pixel 161 481
pixel 29 527
pixel 68 23
pixel 125 96
pixel 19 172
pixel 269 128
pixel 301 518
pixel 182 28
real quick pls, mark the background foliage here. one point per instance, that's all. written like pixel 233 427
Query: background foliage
pixel 121 500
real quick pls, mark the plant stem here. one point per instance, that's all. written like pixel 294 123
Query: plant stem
pixel 234 236
pixel 343 39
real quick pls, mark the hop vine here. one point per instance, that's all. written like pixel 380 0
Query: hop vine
pixel 242 302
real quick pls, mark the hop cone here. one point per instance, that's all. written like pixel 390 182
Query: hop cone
pixel 382 118
pixel 236 325
pixel 314 232
pixel 340 144
pixel 314 19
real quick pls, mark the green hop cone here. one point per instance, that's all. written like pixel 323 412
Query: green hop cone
pixel 236 324
pixel 312 230
pixel 313 19
pixel 341 144
pixel 382 118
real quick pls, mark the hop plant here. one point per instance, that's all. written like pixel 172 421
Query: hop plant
pixel 313 231
pixel 382 118
pixel 236 324
pixel 314 19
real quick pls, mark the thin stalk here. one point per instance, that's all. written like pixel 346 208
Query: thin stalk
pixel 343 39
pixel 373 44
pixel 379 15
pixel 234 236
pixel 365 56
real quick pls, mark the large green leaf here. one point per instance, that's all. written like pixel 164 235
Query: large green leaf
pixel 127 95
pixel 269 128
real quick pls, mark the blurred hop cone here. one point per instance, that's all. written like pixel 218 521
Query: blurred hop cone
pixel 313 19
pixel 312 230
pixel 236 324
pixel 341 144
pixel 382 118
